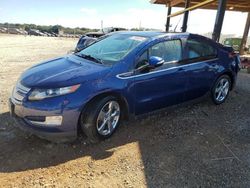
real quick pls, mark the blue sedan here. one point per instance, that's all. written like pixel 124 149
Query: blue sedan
pixel 124 74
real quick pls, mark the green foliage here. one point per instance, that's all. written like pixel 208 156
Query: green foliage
pixel 136 29
pixel 49 28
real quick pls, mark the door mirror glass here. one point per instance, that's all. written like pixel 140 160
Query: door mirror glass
pixel 155 61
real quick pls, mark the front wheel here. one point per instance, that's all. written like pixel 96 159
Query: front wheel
pixel 221 89
pixel 102 118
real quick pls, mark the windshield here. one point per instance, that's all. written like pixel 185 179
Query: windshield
pixel 113 48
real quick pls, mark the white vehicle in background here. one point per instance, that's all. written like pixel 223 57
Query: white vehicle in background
pixel 91 37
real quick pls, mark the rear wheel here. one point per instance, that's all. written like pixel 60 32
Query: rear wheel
pixel 221 89
pixel 102 118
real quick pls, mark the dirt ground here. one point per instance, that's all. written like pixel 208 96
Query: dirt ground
pixel 199 145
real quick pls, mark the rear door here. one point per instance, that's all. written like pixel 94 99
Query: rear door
pixel 201 64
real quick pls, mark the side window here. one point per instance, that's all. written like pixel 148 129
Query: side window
pixel 143 60
pixel 197 49
pixel 168 50
pixel 158 50
pixel 173 50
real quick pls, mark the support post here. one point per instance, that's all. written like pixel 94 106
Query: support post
pixel 219 20
pixel 245 35
pixel 185 19
pixel 168 18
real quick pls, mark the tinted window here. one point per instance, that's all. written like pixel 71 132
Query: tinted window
pixel 198 49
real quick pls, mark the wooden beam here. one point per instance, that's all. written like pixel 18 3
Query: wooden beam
pixel 155 2
pixel 245 35
pixel 232 5
pixel 214 6
pixel 199 5
pixel 176 2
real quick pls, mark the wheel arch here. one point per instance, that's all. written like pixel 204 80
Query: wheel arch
pixel 121 99
pixel 231 76
pixel 228 73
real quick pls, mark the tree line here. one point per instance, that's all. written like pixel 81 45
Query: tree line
pixel 48 28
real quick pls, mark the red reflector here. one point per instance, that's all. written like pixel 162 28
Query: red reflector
pixel 232 54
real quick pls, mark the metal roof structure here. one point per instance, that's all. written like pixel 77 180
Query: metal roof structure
pixel 232 5
pixel 220 5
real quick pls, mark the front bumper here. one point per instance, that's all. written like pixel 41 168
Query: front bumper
pixel 67 131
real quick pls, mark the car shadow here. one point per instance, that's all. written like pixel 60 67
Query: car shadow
pixel 178 147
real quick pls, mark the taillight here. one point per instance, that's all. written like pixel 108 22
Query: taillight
pixel 236 60
pixel 232 54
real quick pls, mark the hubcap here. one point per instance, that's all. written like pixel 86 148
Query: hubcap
pixel 222 89
pixel 108 118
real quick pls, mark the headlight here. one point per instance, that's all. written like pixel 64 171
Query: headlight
pixel 39 94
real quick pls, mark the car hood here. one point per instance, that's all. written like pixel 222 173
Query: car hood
pixel 63 71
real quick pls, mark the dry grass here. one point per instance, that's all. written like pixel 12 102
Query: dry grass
pixel 17 53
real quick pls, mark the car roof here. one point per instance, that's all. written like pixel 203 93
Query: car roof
pixel 153 34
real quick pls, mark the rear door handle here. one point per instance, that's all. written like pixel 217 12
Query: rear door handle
pixel 214 66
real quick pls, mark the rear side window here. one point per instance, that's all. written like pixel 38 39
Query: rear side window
pixel 197 49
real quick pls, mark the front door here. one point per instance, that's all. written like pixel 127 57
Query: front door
pixel 164 85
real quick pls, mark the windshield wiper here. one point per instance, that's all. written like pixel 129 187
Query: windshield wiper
pixel 89 57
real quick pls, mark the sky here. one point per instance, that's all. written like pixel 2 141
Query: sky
pixel 116 13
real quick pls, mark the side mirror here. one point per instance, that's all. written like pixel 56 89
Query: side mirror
pixel 155 61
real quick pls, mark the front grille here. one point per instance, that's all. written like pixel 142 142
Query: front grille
pixel 19 92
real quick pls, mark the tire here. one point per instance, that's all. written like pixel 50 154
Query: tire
pixel 221 89
pixel 101 119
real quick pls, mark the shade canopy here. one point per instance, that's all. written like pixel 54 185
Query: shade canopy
pixel 233 5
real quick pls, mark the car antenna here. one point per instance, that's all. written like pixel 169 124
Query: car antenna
pixel 102 26
pixel 177 24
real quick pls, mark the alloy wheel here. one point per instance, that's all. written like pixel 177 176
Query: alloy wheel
pixel 108 118
pixel 222 89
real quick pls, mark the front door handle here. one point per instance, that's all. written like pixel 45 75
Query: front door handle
pixel 181 69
